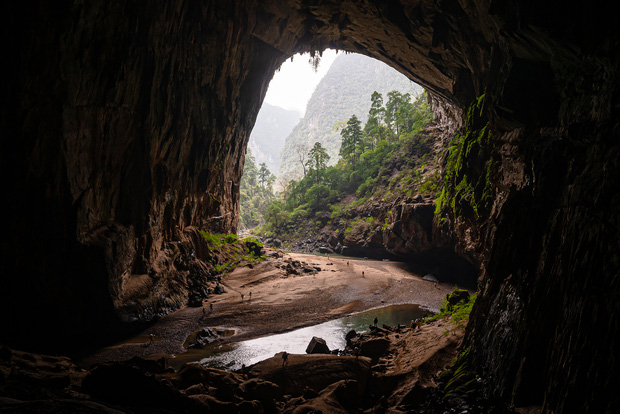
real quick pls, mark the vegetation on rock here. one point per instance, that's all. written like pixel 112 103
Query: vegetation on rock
pixel 389 158
pixel 456 308
pixel 229 251
pixel 466 186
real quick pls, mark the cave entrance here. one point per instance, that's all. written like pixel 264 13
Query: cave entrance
pixel 339 158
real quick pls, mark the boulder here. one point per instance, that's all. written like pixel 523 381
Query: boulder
pixel 317 346
pixel 326 250
pixel 374 348
pixel 254 247
pixel 203 337
pixel 349 337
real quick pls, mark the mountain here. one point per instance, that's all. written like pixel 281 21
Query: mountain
pixel 345 90
pixel 273 125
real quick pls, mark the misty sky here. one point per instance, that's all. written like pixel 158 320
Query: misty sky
pixel 293 85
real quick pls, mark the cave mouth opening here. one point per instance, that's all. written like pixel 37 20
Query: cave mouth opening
pixel 443 262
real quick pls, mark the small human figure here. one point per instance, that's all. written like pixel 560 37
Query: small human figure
pixel 347 262
pixel 250 295
pixel 244 371
pixel 204 310
pixel 211 307
pixel 414 325
pixel 151 338
pixel 362 273
pixel 242 297
pixel 376 321
pixel 284 358
pixel 436 281
pixel 356 352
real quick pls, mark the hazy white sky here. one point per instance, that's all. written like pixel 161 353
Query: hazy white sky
pixel 293 85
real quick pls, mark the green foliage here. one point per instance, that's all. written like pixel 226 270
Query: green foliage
pixel 233 250
pixel 345 90
pixel 370 154
pixel 466 189
pixel 460 379
pixel 256 192
pixel 317 162
pixel 459 312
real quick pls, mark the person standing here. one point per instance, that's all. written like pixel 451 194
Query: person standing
pixel 284 358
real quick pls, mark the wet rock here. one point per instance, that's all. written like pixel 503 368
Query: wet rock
pixel 349 337
pixel 219 289
pixel 317 346
pixel 204 337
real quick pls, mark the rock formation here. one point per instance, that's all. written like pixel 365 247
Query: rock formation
pixel 124 123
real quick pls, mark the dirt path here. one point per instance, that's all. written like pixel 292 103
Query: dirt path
pixel 281 302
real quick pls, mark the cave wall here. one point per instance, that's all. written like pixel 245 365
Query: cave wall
pixel 124 123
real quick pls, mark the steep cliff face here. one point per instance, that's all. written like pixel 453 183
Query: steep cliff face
pixel 123 124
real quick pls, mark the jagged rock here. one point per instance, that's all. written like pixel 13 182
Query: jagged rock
pixel 317 346
pixel 204 337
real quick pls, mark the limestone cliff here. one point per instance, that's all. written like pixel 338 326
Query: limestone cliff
pixel 125 122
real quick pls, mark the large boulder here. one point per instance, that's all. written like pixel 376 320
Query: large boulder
pixel 317 346
pixel 204 337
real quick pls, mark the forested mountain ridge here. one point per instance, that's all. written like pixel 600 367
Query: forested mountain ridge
pixel 273 125
pixel 345 90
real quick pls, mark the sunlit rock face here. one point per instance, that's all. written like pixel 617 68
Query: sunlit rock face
pixel 123 124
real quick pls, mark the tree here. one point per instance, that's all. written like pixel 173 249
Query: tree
pixel 374 129
pixel 351 138
pixel 317 196
pixel 263 174
pixel 302 153
pixel 377 111
pixel 317 161
pixel 276 213
pixel 395 100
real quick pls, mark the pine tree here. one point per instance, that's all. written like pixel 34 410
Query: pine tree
pixel 351 138
pixel 317 161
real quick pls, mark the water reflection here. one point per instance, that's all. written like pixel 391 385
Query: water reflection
pixel 249 352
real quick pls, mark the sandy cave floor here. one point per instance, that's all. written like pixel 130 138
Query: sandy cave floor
pixel 280 303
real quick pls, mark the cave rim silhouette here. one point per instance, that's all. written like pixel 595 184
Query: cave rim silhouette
pixel 247 118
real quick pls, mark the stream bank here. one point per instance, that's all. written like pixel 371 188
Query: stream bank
pixel 284 297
